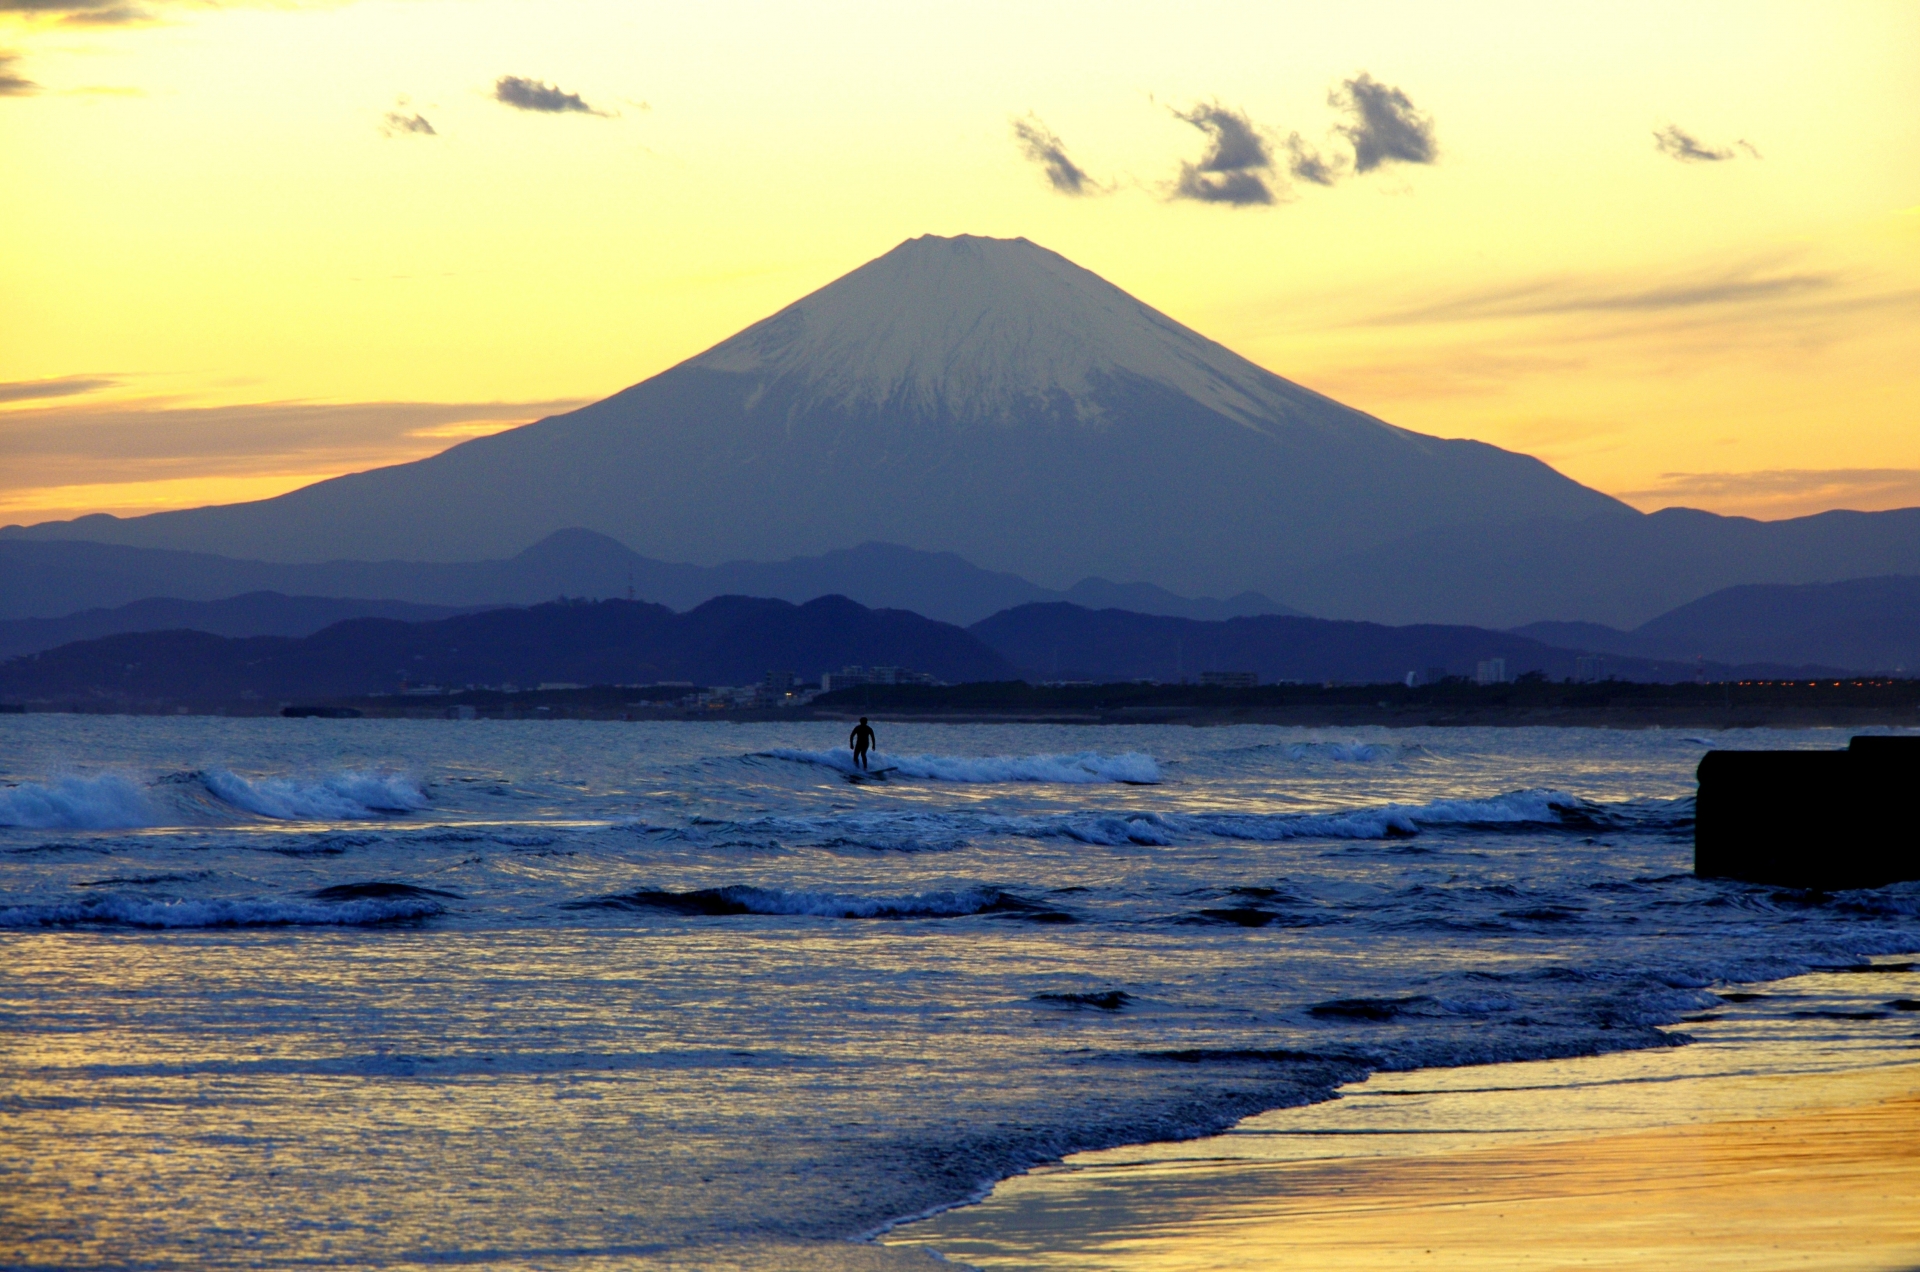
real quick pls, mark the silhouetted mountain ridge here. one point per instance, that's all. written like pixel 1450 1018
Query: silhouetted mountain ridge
pixel 250 614
pixel 728 640
pixel 56 578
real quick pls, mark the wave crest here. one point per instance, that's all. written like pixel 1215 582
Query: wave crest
pixel 1078 768
pixel 109 801
pixel 352 794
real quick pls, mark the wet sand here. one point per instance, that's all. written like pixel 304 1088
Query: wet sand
pixel 1787 1136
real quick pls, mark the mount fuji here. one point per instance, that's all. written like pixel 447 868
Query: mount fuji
pixel 985 397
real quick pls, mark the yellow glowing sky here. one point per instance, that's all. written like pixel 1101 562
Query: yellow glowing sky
pixel 224 273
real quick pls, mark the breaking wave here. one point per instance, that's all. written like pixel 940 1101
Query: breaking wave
pixel 109 801
pixel 1396 821
pixel 115 801
pixel 349 794
pixel 1343 752
pixel 930 831
pixel 1079 768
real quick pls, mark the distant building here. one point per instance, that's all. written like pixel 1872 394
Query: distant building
pixel 777 683
pixel 1490 671
pixel 1230 679
pixel 848 677
pixel 1589 667
pixel 1435 675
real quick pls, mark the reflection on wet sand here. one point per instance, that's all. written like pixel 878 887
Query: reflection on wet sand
pixel 1777 1141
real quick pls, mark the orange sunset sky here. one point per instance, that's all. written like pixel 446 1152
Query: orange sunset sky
pixel 1674 250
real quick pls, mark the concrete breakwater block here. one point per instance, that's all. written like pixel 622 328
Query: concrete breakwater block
pixel 1810 819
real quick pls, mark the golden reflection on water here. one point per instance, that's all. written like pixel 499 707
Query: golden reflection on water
pixel 354 1099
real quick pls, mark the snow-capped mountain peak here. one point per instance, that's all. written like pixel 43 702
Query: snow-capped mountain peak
pixel 978 328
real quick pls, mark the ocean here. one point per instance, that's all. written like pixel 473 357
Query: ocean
pixel 359 993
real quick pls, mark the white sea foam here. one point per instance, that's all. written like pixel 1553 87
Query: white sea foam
pixel 142 912
pixel 1078 768
pixel 1344 752
pixel 348 794
pixel 107 801
pixel 1535 808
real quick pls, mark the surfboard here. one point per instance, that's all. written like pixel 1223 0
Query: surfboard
pixel 869 775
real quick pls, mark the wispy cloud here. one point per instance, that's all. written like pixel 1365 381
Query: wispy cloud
pixel 1238 162
pixel 62 386
pixel 397 124
pixel 1791 489
pixel 12 83
pixel 1385 127
pixel 1676 143
pixel 533 95
pixel 120 442
pixel 1039 144
pixel 1569 295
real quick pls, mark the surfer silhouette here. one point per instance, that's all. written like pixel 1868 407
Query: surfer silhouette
pixel 861 739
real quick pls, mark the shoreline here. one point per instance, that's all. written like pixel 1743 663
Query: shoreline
pixel 1716 721
pixel 1515 1164
pixel 1857 703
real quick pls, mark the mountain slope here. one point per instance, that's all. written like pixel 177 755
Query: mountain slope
pixel 1870 624
pixel 979 396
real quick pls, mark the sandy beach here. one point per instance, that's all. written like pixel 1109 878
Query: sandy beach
pixel 1785 1136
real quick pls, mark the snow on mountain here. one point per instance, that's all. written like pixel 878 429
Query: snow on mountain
pixel 983 329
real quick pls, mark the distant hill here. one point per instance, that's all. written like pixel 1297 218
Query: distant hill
pixel 253 614
pixel 1621 571
pixel 1865 625
pixel 730 640
pixel 55 578
pixel 1067 642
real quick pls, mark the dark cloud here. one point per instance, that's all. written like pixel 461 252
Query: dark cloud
pixel 1305 163
pixel 13 84
pixel 1676 143
pixel 399 125
pixel 1237 164
pixel 63 386
pixel 1039 144
pixel 1385 127
pixel 530 94
pixel 84 12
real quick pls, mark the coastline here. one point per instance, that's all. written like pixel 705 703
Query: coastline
pixel 1781 1136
